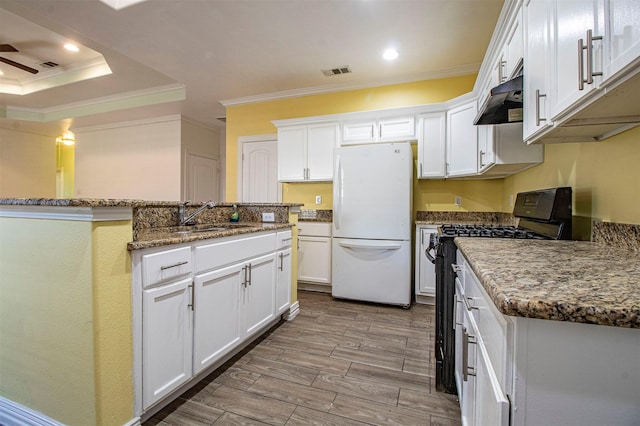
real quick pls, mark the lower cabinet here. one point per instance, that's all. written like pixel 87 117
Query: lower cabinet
pixel 526 371
pixel 198 302
pixel 166 334
pixel 314 256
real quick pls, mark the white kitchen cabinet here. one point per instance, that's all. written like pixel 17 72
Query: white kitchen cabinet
pixel 283 272
pixel 217 328
pixel 314 256
pixel 537 42
pixel 425 278
pixel 501 151
pixel 623 35
pixel 431 145
pixel 258 298
pixel 462 140
pixel 166 334
pixel 391 129
pixel 510 58
pixel 305 152
pixel 540 372
pixel 575 72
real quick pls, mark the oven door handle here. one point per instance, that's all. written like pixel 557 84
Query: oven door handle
pixel 431 246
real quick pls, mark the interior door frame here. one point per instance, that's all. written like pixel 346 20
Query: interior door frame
pixel 248 139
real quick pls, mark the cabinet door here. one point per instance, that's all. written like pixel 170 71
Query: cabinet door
pixel 397 129
pixel 359 132
pixel 491 403
pixel 292 146
pixel 512 52
pixel 259 293
pixel 322 139
pixel 462 140
pixel 623 34
pixel 166 339
pixel 486 148
pixel 537 15
pixel 431 146
pixel 216 314
pixel 570 65
pixel 426 281
pixel 283 281
pixel 314 260
pixel 467 372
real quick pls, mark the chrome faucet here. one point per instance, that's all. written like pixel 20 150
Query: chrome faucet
pixel 189 219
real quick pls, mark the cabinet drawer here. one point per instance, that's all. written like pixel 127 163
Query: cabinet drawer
pixel 165 265
pixel 232 250
pixel 314 229
pixel 283 239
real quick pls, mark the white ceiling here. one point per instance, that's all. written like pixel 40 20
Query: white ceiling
pixel 244 50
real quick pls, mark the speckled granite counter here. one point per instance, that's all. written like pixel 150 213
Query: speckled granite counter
pixel 315 215
pixel 575 281
pixel 155 237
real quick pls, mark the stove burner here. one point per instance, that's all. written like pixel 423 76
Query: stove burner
pixel 489 231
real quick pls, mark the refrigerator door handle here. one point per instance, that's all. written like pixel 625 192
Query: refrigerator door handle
pixel 337 194
pixel 365 246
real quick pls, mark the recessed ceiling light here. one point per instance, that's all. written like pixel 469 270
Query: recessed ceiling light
pixel 390 54
pixel 1 73
pixel 71 47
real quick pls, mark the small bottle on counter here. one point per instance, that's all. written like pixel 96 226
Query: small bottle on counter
pixel 235 216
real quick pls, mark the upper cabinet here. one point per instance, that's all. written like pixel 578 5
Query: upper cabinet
pixel 582 69
pixel 431 145
pixel 305 152
pixel 462 140
pixel 382 130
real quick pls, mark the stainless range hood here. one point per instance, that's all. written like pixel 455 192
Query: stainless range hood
pixel 504 104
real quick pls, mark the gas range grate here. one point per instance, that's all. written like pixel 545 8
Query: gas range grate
pixel 489 231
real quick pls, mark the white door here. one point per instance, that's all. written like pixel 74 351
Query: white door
pixel 314 259
pixel 202 178
pixel 259 171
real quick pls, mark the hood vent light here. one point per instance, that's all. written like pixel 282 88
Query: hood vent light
pixel 337 71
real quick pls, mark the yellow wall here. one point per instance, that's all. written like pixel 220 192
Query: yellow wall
pixel 255 119
pixel 65 164
pixel 65 319
pixel 605 177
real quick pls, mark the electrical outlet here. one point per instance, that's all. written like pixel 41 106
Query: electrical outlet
pixel 318 199
pixel 268 217
pixel 457 201
pixel 510 200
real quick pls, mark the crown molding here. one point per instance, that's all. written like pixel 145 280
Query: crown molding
pixel 137 98
pixel 317 90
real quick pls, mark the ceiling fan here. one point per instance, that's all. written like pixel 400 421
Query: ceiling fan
pixel 10 48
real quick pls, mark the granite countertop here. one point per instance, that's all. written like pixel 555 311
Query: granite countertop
pixel 156 237
pixel 577 281
pixel 114 202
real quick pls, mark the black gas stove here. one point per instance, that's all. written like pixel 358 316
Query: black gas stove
pixel 541 215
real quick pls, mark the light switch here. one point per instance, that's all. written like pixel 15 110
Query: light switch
pixel 268 217
pixel 318 199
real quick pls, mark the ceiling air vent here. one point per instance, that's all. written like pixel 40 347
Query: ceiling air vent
pixel 48 65
pixel 337 71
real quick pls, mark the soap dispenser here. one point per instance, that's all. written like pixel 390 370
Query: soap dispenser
pixel 235 216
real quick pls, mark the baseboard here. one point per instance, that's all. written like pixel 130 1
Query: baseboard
pixel 14 414
pixel 133 422
pixel 320 288
pixel 425 300
pixel 293 311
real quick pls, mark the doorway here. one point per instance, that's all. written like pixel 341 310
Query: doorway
pixel 259 166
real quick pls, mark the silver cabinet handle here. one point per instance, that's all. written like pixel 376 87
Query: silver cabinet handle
pixel 175 265
pixel 466 341
pixel 589 48
pixel 482 154
pixel 192 288
pixel 249 281
pixel 538 118
pixel 244 278
pixel 281 261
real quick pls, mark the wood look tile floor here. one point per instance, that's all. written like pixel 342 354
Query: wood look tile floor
pixel 337 363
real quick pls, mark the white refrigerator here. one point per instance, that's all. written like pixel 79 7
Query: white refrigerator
pixel 371 244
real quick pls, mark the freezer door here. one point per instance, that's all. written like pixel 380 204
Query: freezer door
pixel 372 270
pixel 372 191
